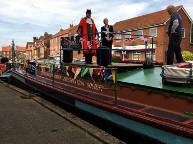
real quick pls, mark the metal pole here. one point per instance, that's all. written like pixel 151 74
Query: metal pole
pixel 53 74
pixel 13 54
pixel 60 52
pixel 152 51
pixel 115 87
pixel 146 43
pixel 31 54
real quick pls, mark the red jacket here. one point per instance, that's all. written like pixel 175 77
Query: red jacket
pixel 3 67
pixel 82 29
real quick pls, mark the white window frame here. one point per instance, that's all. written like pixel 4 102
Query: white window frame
pixel 128 36
pixel 149 53
pixel 136 52
pixel 184 33
pixel 117 37
pixel 155 30
pixel 117 53
pixel 138 31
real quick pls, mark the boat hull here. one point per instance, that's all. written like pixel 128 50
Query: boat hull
pixel 163 130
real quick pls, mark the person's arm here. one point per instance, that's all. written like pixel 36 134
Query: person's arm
pixel 170 25
pixel 80 28
pixel 103 34
pixel 174 26
pixel 96 32
pixel 111 30
pixel 111 35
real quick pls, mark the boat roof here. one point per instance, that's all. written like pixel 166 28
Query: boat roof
pixel 150 78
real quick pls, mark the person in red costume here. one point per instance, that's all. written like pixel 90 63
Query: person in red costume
pixel 87 30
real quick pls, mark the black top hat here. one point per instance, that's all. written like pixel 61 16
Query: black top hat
pixel 88 11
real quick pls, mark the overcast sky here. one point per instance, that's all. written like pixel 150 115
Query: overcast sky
pixel 22 19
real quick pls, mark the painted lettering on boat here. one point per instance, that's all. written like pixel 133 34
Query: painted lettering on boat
pixel 76 82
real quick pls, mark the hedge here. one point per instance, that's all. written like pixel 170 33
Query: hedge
pixel 187 56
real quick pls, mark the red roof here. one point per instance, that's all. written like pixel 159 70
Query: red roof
pixel 144 20
pixel 28 49
pixel 20 49
pixel 6 48
pixel 66 31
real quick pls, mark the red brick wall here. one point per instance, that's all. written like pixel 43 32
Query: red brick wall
pixel 55 46
pixel 162 39
pixel 162 44
pixel 185 44
pixel 158 40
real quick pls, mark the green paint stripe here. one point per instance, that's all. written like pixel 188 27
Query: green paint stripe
pixel 144 129
pixel 188 115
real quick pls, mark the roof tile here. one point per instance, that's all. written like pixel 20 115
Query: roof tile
pixel 144 20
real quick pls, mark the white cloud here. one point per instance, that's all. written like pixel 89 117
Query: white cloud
pixel 50 15
pixel 28 18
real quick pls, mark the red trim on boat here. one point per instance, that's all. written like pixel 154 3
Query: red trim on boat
pixel 179 128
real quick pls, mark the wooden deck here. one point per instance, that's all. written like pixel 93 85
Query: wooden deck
pixel 114 65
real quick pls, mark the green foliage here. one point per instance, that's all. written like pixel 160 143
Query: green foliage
pixel 187 56
pixel 116 59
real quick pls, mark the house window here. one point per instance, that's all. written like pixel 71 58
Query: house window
pixel 183 32
pixel 136 56
pixel 153 32
pixel 117 53
pixel 148 55
pixel 128 36
pixel 125 54
pixel 118 37
pixel 139 32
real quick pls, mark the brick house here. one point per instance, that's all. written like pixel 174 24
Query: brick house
pixel 55 42
pixel 39 48
pixel 7 52
pixel 153 24
pixel 20 53
pixel 29 47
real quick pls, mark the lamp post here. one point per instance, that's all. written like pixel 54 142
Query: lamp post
pixel 13 53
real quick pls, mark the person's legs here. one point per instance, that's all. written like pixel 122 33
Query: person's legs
pixel 110 54
pixel 88 58
pixel 170 52
pixel 177 50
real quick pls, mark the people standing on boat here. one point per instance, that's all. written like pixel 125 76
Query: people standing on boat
pixel 175 36
pixel 87 30
pixel 107 37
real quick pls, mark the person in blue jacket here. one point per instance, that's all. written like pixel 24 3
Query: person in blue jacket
pixel 175 36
